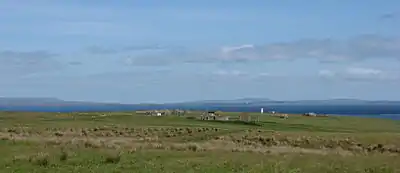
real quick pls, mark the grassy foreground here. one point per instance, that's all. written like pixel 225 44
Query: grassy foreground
pixel 126 142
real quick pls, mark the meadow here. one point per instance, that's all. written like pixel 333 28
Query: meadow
pixel 129 142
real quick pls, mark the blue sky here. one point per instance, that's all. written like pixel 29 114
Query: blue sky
pixel 167 51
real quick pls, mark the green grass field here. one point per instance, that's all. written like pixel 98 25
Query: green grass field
pixel 126 142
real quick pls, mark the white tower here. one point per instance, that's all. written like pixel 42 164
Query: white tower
pixel 262 110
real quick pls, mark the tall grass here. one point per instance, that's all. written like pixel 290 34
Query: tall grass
pixel 126 142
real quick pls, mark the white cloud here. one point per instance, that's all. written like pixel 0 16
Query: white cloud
pixel 241 73
pixel 360 74
pixel 363 71
pixel 326 73
pixel 230 49
pixel 230 73
pixel 264 74
pixel 133 48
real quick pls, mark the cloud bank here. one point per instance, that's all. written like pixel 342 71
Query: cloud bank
pixel 361 74
pixel 20 62
pixel 358 48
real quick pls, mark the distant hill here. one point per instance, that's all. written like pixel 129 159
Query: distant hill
pixel 20 101
pixel 390 109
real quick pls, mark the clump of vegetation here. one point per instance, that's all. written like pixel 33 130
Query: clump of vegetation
pixel 41 159
pixel 63 155
pixel 5 138
pixel 310 143
pixel 194 147
pixel 19 158
pixel 132 150
pixel 113 157
pixel 92 144
pixel 58 134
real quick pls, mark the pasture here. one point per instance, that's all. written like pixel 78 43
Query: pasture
pixel 129 142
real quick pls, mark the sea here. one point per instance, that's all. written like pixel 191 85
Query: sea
pixel 372 111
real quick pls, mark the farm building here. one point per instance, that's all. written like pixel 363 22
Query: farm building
pixel 165 112
pixel 208 116
pixel 310 114
pixel 178 112
pixel 212 115
pixel 152 113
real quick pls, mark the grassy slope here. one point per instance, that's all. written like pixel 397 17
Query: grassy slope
pixel 32 142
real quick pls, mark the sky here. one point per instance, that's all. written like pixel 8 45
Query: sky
pixel 152 51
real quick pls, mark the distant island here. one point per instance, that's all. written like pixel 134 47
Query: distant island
pixel 380 109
